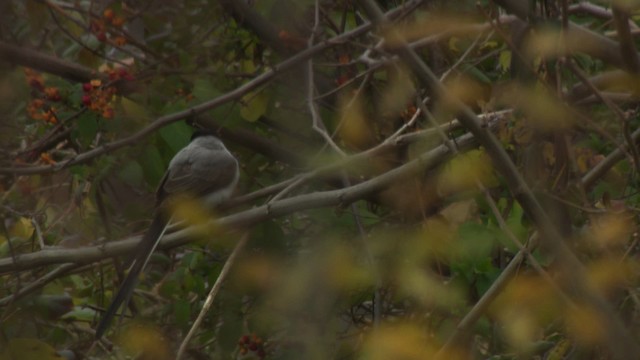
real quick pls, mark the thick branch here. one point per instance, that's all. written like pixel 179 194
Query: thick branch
pixel 244 219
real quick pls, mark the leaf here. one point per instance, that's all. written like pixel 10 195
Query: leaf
pixel 463 171
pixel 29 349
pixel 137 339
pixel 255 105
pixel 505 60
pixel 23 228
pixel 87 128
pixel 153 165
pixel 204 90
pixel 132 173
pixel 80 314
pixel 132 110
pixel 475 243
pixel 182 312
pixel 176 135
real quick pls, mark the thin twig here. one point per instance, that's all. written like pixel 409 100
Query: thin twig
pixel 212 294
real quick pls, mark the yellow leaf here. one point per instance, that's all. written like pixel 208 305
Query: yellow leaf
pixel 145 340
pixel 463 171
pixel 255 105
pixel 505 60
pixel 585 324
pixel 613 229
pixel 29 349
pixel 23 228
pixel 133 110
pixel 402 341
pixel 397 94
pixel 354 129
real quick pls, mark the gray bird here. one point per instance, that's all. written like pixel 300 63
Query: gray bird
pixel 204 169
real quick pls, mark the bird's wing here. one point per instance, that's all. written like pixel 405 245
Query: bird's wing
pixel 199 173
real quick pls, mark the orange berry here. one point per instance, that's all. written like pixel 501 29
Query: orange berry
pixel 46 158
pixel 52 93
pixel 108 14
pixel 107 113
pixel 120 40
pixel 37 103
pixel 117 21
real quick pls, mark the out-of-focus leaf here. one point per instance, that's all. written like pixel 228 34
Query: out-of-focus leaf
pixel 464 171
pixel 22 228
pixel 182 312
pixel 203 90
pixel 254 105
pixel 153 165
pixel 80 314
pixel 399 341
pixel 139 339
pixel 397 93
pixel 29 349
pixel 176 135
pixel 133 111
pixel 132 173
pixel 87 127
pixel 355 130
pixel 475 243
pixel 585 324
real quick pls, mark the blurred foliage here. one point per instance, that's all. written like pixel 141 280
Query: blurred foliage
pixel 388 277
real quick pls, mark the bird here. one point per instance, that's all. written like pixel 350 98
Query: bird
pixel 205 170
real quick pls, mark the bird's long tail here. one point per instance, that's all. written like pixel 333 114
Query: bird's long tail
pixel 138 262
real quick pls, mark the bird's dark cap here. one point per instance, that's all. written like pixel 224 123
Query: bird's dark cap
pixel 202 132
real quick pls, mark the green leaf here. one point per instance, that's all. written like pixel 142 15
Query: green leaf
pixel 87 128
pixel 204 90
pixel 153 165
pixel 132 173
pixel 176 135
pixel 182 312
pixel 474 245
pixel 81 314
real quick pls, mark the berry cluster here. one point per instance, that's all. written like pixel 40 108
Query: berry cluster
pixel 109 18
pixel 41 108
pixel 252 343
pixel 98 97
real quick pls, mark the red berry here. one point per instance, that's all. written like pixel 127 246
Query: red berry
pixel 253 346
pixel 102 37
pixel 244 339
pixel 86 100
pixel 123 72
pixel 86 87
